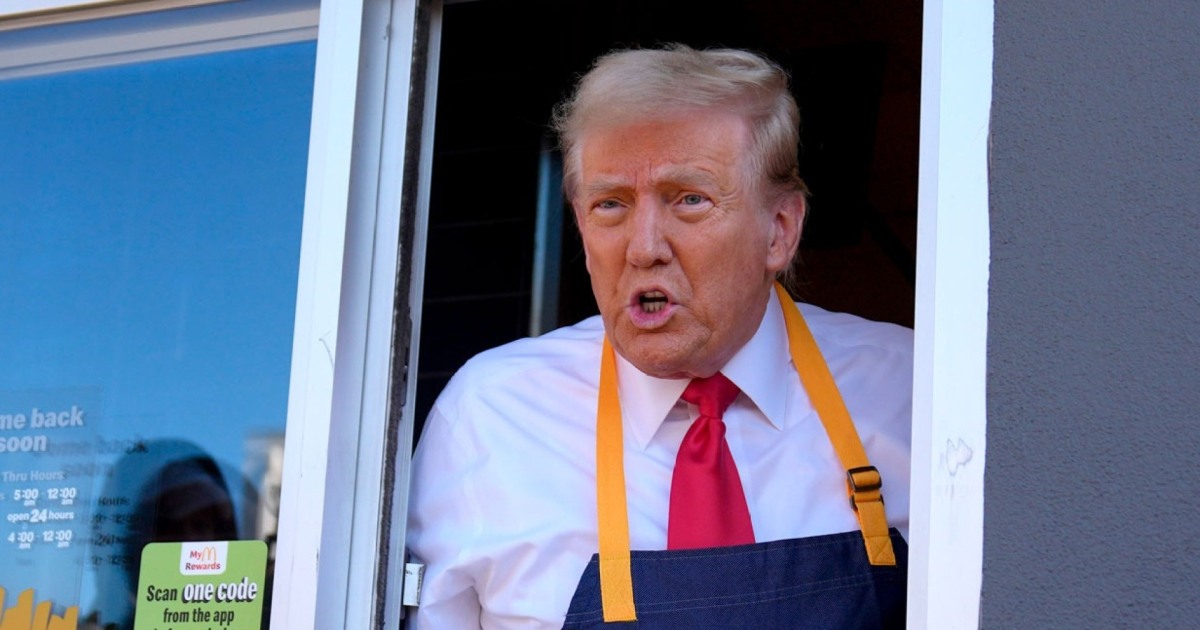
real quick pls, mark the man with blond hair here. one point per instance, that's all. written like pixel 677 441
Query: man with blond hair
pixel 705 453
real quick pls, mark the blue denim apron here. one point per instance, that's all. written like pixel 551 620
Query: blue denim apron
pixel 854 579
pixel 821 582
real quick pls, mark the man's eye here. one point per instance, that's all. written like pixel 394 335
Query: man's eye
pixel 608 204
pixel 692 199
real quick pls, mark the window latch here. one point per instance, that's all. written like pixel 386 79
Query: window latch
pixel 414 573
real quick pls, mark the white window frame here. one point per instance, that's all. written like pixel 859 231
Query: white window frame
pixel 341 408
pixel 949 404
pixel 80 45
pixel 339 401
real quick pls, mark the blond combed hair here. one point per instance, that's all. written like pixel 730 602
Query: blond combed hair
pixel 638 85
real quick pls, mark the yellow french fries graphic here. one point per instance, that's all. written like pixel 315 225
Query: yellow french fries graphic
pixel 26 616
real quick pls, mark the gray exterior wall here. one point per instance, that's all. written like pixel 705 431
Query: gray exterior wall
pixel 1093 460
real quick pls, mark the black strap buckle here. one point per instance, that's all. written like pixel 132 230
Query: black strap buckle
pixel 863 479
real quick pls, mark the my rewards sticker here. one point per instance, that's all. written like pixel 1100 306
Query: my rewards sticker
pixel 211 585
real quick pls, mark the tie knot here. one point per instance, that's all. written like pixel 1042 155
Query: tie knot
pixel 712 395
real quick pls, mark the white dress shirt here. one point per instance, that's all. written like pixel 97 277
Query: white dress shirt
pixel 503 504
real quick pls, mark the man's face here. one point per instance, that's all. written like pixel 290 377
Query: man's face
pixel 682 245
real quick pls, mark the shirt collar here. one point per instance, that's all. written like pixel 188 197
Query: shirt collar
pixel 761 369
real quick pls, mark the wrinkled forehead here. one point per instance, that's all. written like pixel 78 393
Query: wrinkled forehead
pixel 682 137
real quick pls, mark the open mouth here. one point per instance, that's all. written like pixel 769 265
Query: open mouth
pixel 652 301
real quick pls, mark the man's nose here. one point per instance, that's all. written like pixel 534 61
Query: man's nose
pixel 649 242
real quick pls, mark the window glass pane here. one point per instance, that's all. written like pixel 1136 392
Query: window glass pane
pixel 151 217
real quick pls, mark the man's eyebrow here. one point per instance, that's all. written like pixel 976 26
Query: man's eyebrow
pixel 686 175
pixel 603 185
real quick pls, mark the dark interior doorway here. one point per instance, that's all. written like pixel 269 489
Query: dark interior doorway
pixel 856 69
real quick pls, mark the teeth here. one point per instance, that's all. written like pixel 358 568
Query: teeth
pixel 653 301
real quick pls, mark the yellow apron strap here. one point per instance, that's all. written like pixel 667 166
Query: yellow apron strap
pixel 616 579
pixel 863 482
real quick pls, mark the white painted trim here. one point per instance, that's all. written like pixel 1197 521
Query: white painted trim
pixel 228 32
pixel 16 14
pixel 333 523
pixel 349 586
pixel 394 611
pixel 949 404
pixel 308 444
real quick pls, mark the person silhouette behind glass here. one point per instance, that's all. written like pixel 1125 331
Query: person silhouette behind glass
pixel 158 491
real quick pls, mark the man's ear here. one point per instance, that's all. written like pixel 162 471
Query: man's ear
pixel 787 221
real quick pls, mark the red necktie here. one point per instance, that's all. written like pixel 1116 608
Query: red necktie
pixel 708 507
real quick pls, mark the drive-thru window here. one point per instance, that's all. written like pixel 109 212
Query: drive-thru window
pixel 243 254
